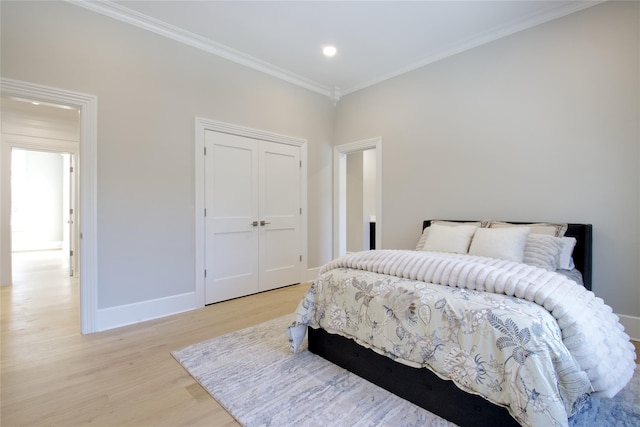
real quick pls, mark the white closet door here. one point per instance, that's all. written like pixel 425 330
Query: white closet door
pixel 253 216
pixel 231 201
pixel 280 262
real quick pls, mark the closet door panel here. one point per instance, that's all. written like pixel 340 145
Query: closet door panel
pixel 231 200
pixel 280 263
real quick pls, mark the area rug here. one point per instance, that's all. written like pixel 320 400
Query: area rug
pixel 255 377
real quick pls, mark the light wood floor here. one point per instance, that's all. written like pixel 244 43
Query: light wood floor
pixel 53 375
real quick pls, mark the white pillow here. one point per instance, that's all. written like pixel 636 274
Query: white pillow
pixel 542 250
pixel 565 261
pixel 425 232
pixel 502 243
pixel 444 238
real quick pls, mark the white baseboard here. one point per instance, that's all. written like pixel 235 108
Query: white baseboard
pixel 631 326
pixel 128 314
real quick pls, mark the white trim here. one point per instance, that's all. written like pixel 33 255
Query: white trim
pixel 128 314
pixel 129 16
pixel 561 10
pixel 88 105
pixel 631 326
pixel 132 17
pixel 202 125
pixel 340 189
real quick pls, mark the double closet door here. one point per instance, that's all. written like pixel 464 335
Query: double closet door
pixel 252 217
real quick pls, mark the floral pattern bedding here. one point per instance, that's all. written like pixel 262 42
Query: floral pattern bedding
pixel 506 349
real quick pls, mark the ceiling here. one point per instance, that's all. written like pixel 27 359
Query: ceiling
pixel 376 40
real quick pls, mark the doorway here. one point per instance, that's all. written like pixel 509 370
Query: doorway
pixel 355 164
pixel 86 108
pixel 43 206
pixel 41 141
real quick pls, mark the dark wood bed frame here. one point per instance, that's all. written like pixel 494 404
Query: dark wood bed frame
pixel 421 386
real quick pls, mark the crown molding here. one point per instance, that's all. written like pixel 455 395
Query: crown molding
pixel 129 16
pixel 124 14
pixel 484 38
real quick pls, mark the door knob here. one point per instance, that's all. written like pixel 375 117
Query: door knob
pixel 254 223
pixel 263 222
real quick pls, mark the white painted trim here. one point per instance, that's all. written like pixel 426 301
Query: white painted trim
pixel 128 314
pixel 129 16
pixel 132 17
pixel 561 10
pixel 202 125
pixel 88 105
pixel 631 326
pixel 340 189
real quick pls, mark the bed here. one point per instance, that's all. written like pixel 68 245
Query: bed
pixel 499 348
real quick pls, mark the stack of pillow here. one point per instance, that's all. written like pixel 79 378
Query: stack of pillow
pixel 541 244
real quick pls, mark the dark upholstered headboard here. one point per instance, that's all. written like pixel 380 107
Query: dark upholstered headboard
pixel 581 253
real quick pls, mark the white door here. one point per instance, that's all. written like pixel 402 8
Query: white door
pixel 251 193
pixel 231 242
pixel 69 242
pixel 280 256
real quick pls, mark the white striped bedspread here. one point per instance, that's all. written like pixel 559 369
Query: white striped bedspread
pixel 523 337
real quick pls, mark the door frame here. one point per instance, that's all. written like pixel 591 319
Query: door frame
pixel 201 126
pixel 87 179
pixel 340 191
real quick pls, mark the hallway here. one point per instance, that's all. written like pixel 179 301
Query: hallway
pixel 40 311
pixel 43 294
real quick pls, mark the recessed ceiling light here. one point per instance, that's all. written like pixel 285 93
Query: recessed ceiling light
pixel 329 51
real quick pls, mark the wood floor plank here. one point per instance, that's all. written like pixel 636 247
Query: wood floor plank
pixel 53 375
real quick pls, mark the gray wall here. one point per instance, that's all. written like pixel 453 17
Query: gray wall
pixel 543 124
pixel 355 201
pixel 540 125
pixel 149 91
pixel 361 198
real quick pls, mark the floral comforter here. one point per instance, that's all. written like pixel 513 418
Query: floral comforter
pixel 507 349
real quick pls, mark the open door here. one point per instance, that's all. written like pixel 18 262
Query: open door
pixel 70 209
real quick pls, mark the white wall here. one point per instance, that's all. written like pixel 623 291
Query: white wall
pixel 37 200
pixel 540 125
pixel 149 91
pixel 355 202
pixel 361 198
